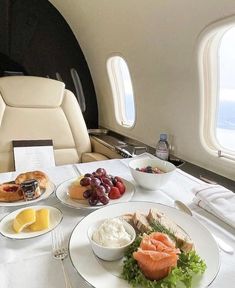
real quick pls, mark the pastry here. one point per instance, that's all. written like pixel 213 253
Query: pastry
pixel 10 192
pixel 40 176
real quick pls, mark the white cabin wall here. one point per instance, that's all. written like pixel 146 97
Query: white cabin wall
pixel 159 41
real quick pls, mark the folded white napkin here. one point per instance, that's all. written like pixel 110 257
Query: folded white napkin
pixel 34 272
pixel 217 200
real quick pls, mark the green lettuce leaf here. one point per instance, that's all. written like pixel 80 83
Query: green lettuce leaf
pixel 188 265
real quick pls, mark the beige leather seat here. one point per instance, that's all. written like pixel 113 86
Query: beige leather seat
pixel 33 108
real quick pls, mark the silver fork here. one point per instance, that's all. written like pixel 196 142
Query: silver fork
pixel 60 251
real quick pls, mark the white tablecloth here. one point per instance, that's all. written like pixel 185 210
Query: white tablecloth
pixel 25 258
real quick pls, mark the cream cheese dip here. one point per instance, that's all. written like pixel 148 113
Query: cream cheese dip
pixel 112 233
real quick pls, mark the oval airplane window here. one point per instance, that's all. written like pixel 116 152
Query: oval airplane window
pixel 217 72
pixel 122 91
pixel 225 124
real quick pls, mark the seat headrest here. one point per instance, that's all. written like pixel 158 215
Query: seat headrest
pixel 30 91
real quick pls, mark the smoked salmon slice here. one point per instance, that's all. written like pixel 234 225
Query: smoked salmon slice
pixel 156 256
pixel 158 242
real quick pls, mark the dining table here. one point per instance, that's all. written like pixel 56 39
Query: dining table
pixel 29 263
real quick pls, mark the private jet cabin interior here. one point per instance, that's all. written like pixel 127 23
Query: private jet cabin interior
pixel 136 68
pixel 92 94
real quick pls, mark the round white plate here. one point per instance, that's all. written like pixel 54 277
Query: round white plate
pixel 62 194
pixel 104 276
pixel 50 189
pixel 6 223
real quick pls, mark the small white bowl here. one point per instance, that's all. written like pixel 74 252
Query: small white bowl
pixel 148 180
pixel 110 253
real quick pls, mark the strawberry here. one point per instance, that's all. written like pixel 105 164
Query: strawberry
pixel 114 193
pixel 121 187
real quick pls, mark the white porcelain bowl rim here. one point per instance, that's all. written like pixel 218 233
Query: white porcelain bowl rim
pixel 161 164
pixel 151 181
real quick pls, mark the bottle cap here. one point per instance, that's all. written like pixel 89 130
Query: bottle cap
pixel 163 136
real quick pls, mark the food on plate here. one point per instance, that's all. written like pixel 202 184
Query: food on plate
pixel 77 180
pixel 156 255
pixel 110 238
pixel 33 220
pixel 162 254
pixel 42 220
pixel 146 223
pixel 76 191
pixel 24 219
pixel 27 186
pixel 30 189
pixel 40 176
pixel 112 233
pixel 10 192
pixel 114 193
pixel 184 242
pixel 97 187
pixel 139 221
pixel 150 169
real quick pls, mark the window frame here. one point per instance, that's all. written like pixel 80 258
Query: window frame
pixel 209 86
pixel 118 91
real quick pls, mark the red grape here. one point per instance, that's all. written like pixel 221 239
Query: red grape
pixel 85 181
pixel 101 172
pixel 93 200
pixel 87 194
pixel 107 181
pixel 88 175
pixel 107 188
pixel 100 191
pixel 114 180
pixel 95 182
pixel 104 200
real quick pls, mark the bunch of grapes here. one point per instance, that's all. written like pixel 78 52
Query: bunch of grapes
pixel 99 185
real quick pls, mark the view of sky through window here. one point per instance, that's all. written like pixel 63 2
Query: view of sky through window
pixel 225 126
pixel 128 92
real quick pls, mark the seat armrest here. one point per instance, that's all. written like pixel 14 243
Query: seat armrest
pixel 92 156
pixel 106 150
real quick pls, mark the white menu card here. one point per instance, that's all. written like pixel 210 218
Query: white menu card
pixel 33 154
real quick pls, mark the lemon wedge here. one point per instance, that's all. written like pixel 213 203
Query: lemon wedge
pixel 24 219
pixel 42 220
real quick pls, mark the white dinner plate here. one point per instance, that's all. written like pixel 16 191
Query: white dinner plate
pixel 49 190
pixel 105 276
pixel 62 194
pixel 6 223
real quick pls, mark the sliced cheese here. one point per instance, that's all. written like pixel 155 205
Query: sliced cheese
pixel 42 220
pixel 24 219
